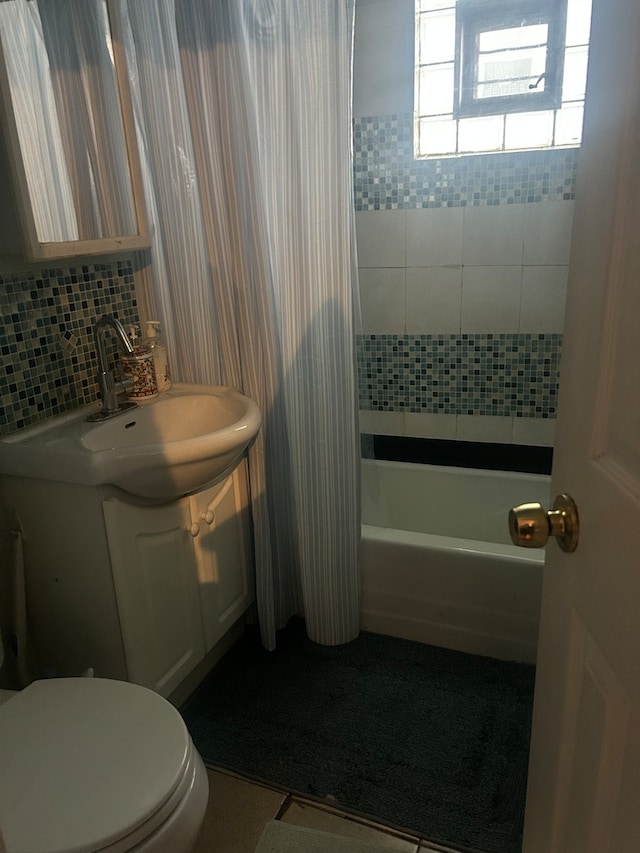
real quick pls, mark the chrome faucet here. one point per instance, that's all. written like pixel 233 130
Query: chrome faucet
pixel 107 383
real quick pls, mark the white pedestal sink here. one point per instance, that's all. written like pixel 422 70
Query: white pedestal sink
pixel 167 447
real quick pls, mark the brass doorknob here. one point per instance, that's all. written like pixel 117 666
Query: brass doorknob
pixel 530 525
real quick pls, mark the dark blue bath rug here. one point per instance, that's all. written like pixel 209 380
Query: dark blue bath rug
pixel 428 740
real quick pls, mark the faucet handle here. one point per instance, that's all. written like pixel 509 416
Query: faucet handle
pixel 123 384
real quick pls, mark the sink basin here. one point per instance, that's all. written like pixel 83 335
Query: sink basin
pixel 167 447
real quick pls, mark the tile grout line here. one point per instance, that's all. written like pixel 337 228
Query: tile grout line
pixel 422 845
pixel 284 807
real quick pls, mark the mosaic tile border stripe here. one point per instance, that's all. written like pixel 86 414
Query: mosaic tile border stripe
pixel 46 339
pixel 386 177
pixel 512 375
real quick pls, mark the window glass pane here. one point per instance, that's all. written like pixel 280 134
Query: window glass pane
pixel 437 136
pixel 529 130
pixel 480 134
pixel 438 37
pixel 510 72
pixel 436 90
pixel 510 37
pixel 569 125
pixel 510 59
pixel 575 73
pixel 578 22
pixel 428 5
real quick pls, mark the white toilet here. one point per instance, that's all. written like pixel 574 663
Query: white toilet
pixel 91 764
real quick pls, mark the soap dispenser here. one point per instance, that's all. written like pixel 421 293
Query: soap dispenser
pixel 158 351
pixel 138 367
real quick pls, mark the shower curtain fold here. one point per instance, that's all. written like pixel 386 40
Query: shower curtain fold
pixel 244 115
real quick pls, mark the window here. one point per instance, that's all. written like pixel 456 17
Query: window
pixel 499 75
pixel 508 59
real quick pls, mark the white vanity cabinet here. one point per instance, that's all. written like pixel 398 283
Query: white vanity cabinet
pixel 221 531
pixel 137 592
pixel 182 576
pixel 156 584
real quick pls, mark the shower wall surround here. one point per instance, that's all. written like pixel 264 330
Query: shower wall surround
pixel 462 314
pixel 462 261
pixel 46 340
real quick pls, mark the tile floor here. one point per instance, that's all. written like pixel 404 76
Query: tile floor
pixel 239 810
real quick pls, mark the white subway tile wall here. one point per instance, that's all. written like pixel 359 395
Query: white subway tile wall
pixel 482 291
pixel 544 293
pixel 493 236
pixel 433 300
pixel 491 298
pixel 434 237
pixel 509 213
pixel 382 292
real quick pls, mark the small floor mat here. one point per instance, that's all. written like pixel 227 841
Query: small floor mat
pixel 426 740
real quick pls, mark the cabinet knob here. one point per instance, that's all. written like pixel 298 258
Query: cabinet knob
pixel 208 516
pixel 194 529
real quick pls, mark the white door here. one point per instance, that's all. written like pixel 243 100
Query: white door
pixel 584 776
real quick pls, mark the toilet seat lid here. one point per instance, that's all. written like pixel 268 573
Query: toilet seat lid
pixel 85 761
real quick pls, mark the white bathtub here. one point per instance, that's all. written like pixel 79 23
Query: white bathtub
pixel 437 562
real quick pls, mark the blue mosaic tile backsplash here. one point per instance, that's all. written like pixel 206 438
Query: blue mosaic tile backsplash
pixel 465 374
pixel 46 340
pixel 386 177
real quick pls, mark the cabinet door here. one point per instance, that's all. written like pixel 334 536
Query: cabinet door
pixel 224 554
pixel 156 586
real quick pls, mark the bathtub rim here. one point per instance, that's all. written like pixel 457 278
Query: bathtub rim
pixel 442 544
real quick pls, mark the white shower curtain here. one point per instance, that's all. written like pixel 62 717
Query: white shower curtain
pixel 244 113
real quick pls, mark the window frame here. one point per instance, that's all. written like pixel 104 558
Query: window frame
pixel 438 135
pixel 476 16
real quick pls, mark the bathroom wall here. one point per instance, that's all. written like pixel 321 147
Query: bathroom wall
pixel 462 264
pixel 48 362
